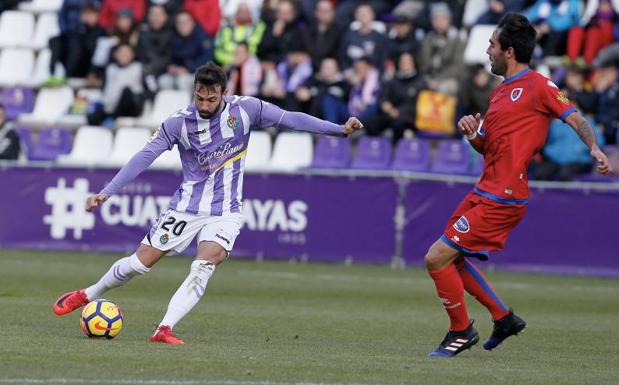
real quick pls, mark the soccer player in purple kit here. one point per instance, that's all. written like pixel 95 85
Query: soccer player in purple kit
pixel 212 136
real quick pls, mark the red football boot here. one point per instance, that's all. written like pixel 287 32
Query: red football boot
pixel 166 335
pixel 70 301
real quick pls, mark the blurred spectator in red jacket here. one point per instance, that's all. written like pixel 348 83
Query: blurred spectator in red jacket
pixel 111 8
pixel 206 12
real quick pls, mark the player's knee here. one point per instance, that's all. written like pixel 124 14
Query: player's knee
pixel 438 258
pixel 148 255
pixel 212 252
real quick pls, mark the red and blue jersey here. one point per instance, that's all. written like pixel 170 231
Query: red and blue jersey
pixel 514 130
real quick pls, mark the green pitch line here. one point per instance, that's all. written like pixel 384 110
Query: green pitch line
pixel 275 323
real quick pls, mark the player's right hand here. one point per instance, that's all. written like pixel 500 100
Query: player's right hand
pixel 95 200
pixel 468 124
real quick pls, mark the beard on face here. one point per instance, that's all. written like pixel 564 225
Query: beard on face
pixel 204 114
pixel 498 67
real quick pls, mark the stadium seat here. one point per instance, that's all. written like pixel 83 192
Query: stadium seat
pixel 292 151
pixel 412 155
pixel 473 9
pixel 169 160
pixel 258 151
pixel 17 100
pixel 127 142
pixel 92 146
pixel 16 66
pixel 50 105
pixel 452 157
pixel 46 27
pixel 166 103
pixel 41 6
pixel 477 44
pixel 52 142
pixel 16 28
pixel 373 153
pixel 26 140
pixel 40 71
pixel 331 152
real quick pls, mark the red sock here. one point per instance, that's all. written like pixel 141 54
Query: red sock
pixel 451 292
pixel 475 284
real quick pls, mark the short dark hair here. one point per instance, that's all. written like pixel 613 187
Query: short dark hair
pixel 517 32
pixel 211 75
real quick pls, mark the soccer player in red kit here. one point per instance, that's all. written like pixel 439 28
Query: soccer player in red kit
pixel 513 131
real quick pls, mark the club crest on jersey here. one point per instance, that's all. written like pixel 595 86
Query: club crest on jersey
pixel 462 225
pixel 516 93
pixel 232 122
pixel 164 239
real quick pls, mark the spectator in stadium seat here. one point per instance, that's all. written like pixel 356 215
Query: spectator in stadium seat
pixel 123 87
pixel 346 10
pixel 595 31
pixel 191 47
pixel 552 20
pixel 498 8
pixel 244 72
pixel 9 141
pixel 322 37
pixel 398 100
pixel 153 49
pixel 606 84
pixel 440 56
pixel 565 156
pixel 125 29
pixel 111 8
pixel 402 38
pixel 578 90
pixel 172 7
pixel 326 93
pixel 280 33
pixel 420 12
pixel 206 12
pixel 293 72
pixel 240 29
pixel 474 92
pixel 229 8
pixel 364 42
pixel 363 100
pixel 75 45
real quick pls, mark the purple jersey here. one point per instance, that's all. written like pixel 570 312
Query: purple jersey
pixel 212 151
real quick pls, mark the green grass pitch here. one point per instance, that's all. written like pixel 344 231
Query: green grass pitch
pixel 280 323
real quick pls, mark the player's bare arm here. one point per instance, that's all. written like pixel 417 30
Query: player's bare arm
pixel 586 134
pixel 468 126
pixel 352 124
pixel 95 200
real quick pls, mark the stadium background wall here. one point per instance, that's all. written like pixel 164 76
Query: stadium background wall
pixel 339 217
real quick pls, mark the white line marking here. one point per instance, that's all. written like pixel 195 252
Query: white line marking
pixel 152 382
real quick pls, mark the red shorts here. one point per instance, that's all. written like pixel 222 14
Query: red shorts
pixel 480 225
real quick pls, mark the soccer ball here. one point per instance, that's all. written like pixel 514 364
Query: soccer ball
pixel 101 318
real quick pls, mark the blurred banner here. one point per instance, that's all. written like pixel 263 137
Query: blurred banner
pixel 308 217
pixel 570 231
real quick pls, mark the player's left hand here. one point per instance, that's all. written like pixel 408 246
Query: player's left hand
pixel 352 124
pixel 604 166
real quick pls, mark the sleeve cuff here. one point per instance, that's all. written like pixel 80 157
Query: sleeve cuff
pixel 567 113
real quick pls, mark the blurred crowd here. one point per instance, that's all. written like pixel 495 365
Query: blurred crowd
pixel 370 59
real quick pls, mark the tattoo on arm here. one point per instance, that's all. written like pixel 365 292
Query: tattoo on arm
pixel 583 129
